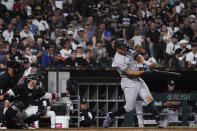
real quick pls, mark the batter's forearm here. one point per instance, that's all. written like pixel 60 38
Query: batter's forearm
pixel 135 73
pixel 171 103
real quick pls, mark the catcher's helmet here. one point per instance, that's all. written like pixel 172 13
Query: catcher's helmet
pixel 32 77
pixel 171 83
pixel 121 43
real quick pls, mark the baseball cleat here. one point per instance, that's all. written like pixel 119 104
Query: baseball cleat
pixel 108 120
pixel 159 122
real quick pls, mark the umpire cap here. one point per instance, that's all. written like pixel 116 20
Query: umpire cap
pixel 171 83
pixel 121 43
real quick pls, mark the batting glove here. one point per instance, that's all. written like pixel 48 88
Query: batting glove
pixel 147 68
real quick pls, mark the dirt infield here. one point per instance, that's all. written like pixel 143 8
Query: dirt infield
pixel 117 129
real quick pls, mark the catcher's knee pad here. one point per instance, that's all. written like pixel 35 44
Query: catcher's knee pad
pixel 17 106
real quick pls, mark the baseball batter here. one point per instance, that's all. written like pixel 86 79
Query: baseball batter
pixel 125 60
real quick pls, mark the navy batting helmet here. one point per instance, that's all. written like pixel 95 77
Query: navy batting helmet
pixel 121 43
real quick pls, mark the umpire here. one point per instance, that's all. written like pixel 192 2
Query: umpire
pixel 8 80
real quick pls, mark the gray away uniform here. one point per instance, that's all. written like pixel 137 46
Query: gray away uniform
pixel 131 86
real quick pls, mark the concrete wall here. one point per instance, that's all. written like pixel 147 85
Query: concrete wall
pixel 52 83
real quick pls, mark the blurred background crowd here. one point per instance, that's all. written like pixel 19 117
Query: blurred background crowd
pixel 81 33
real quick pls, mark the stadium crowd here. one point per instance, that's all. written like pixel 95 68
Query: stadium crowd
pixel 78 33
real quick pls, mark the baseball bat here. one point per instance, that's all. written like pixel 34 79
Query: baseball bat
pixel 167 72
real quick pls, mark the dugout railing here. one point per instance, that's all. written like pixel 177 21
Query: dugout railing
pixel 101 88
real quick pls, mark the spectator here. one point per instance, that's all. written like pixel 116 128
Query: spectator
pixel 110 49
pixel 48 56
pixel 165 38
pixel 26 33
pixel 2 26
pixel 141 28
pixel 32 28
pixel 91 25
pixel 182 16
pixel 172 28
pixel 153 16
pixel 17 25
pixel 53 23
pixel 189 8
pixel 22 11
pixel 113 19
pixel 74 43
pixel 32 58
pixel 88 60
pixel 122 18
pixel 181 54
pixel 150 61
pixel 193 30
pixel 56 34
pixel 87 34
pixel 37 48
pixel 194 39
pixel 99 51
pixel 74 21
pixel 40 22
pixel 180 33
pixel 152 38
pixel 89 46
pixel 124 21
pixel 6 59
pixel 103 11
pixel 79 37
pixel 73 61
pixel 1 53
pixel 187 28
pixel 80 52
pixel 66 51
pixel 14 54
pixel 8 4
pixel 140 16
pixel 8 34
pixel 57 62
pixel 191 57
pixel 179 6
pixel 2 9
pixel 101 34
pixel 24 43
pixel 138 39
pixel 172 14
pixel 170 51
